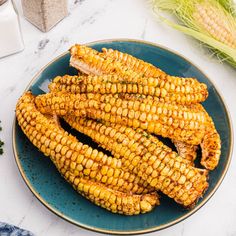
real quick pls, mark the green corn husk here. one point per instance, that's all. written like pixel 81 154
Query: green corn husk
pixel 229 5
pixel 205 20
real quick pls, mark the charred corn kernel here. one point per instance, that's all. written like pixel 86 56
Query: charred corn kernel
pixel 182 179
pixel 85 159
pixel 159 169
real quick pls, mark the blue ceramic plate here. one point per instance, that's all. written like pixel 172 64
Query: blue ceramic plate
pixel 57 195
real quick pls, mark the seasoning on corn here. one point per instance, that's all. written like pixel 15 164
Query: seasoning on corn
pixel 133 63
pixel 210 144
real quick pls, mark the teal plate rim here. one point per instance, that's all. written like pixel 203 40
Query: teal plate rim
pixel 96 229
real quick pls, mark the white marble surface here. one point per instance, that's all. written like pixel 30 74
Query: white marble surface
pixel 91 20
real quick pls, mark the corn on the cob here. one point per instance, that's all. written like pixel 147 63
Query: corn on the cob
pixel 65 151
pixel 113 84
pixel 207 21
pixel 112 200
pixel 92 62
pixel 168 120
pixel 154 162
pixel 208 18
pixel 187 126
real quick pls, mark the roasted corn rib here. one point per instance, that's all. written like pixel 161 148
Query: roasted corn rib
pixel 97 130
pixel 181 90
pixel 66 152
pixel 113 84
pixel 162 168
pixel 168 120
pixel 112 200
pixel 210 145
pixel 133 63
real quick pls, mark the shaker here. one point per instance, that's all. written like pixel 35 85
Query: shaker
pixel 44 14
pixel 10 34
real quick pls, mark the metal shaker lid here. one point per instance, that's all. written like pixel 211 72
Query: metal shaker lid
pixel 2 1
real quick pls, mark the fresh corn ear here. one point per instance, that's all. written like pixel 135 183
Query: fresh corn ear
pixel 205 20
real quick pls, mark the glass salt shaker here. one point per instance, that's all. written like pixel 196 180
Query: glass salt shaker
pixel 44 14
pixel 10 35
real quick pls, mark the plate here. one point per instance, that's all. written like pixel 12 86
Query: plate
pixel 57 195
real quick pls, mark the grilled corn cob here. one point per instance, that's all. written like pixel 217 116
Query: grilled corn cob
pixel 112 200
pixel 92 62
pixel 168 120
pixel 151 160
pixel 113 84
pixel 66 152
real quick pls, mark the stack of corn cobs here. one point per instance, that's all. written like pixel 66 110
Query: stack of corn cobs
pixel 122 102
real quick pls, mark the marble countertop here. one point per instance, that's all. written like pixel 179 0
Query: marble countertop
pixel 88 21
